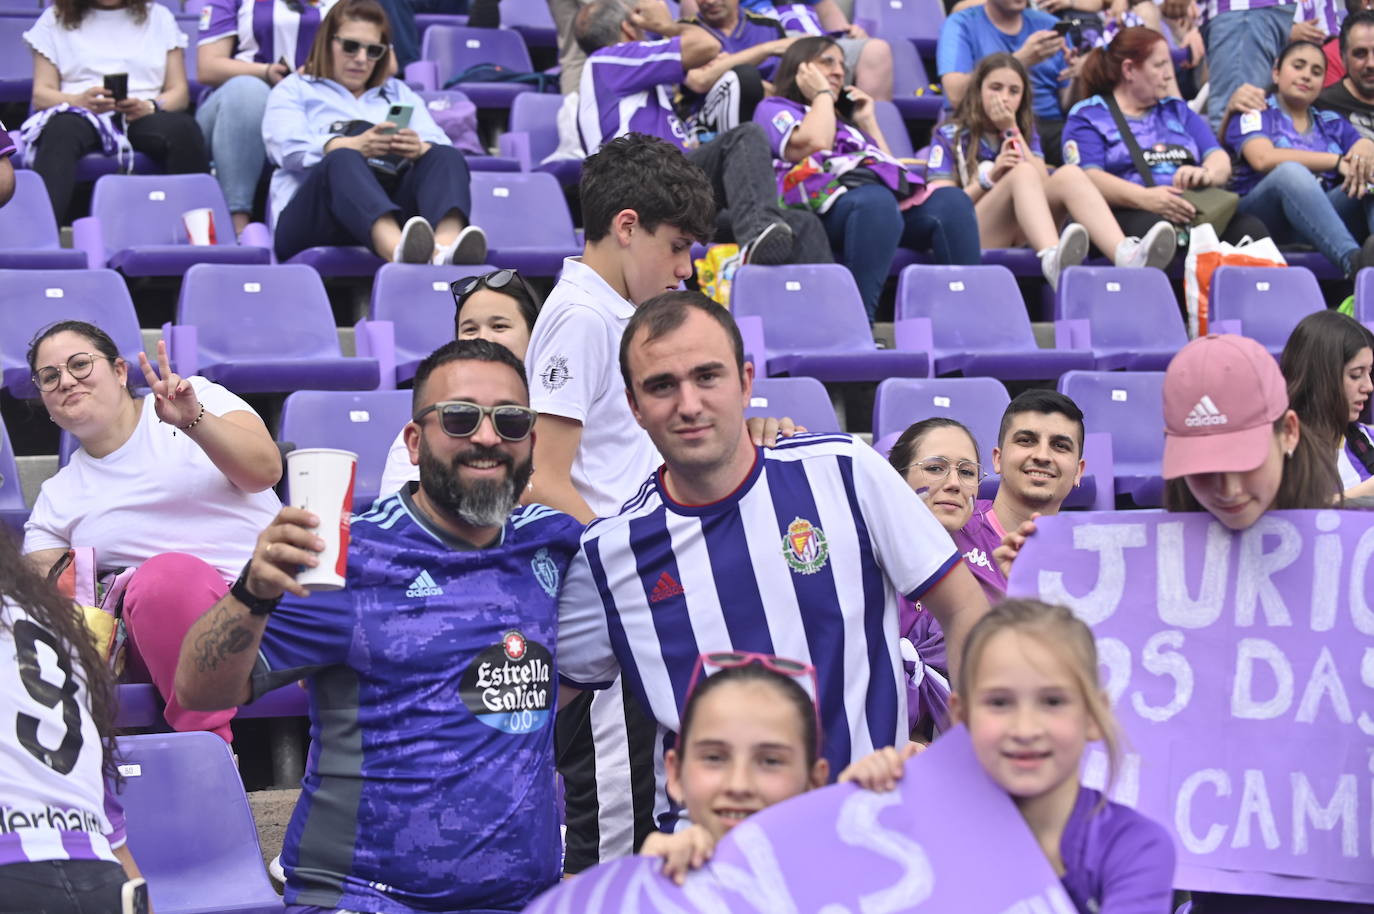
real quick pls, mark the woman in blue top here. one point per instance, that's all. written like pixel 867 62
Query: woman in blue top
pixel 346 174
pixel 1303 171
pixel 1178 146
pixel 990 149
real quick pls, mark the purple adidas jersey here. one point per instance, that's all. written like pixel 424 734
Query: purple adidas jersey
pixel 430 781
pixel 1326 132
pixel 943 161
pixel 6 144
pixel 264 31
pixel 1115 859
pixel 1170 135
pixel 976 540
pixel 628 88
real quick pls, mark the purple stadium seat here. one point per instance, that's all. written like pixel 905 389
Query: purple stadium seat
pixel 908 77
pixel 16 60
pixel 13 513
pixel 532 19
pixel 33 299
pixel 1128 318
pixel 190 827
pixel 415 300
pixel 894 129
pixel 533 135
pixel 976 402
pixel 426 21
pixel 815 324
pixel 979 323
pixel 505 206
pixel 447 51
pixel 262 329
pixel 365 423
pixel 804 400
pixel 917 21
pixel 141 706
pixel 353 261
pixel 28 231
pixel 1364 296
pixel 1263 303
pixel 135 226
pixel 1129 406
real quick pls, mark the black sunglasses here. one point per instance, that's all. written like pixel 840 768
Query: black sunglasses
pixel 496 279
pixel 461 419
pixel 351 46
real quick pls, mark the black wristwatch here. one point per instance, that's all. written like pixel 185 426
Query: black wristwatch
pixel 256 605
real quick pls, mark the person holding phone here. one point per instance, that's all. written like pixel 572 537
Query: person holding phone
pixel 830 157
pixel 244 48
pixel 78 43
pixel 347 175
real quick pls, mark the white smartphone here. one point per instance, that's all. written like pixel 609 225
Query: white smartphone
pixel 134 896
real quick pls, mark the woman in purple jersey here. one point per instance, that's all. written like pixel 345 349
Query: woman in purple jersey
pixel 1029 693
pixel 1306 173
pixel 990 149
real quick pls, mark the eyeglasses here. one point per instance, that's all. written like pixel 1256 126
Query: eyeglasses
pixel 461 419
pixel 934 470
pixel 784 666
pixel 351 47
pixel 496 279
pixel 79 365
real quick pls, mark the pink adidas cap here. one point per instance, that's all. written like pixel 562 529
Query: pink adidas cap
pixel 1222 396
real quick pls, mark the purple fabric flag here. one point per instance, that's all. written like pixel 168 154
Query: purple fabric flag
pixel 1241 667
pixel 847 849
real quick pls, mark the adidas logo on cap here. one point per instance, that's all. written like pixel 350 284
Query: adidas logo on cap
pixel 423 586
pixel 1205 413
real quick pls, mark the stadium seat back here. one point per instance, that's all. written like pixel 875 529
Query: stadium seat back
pixel 1130 406
pixel 971 308
pixel 1268 302
pixel 255 312
pixel 365 422
pixel 456 48
pixel 976 402
pixel 536 113
pixel 521 210
pixel 805 307
pixel 417 300
pixel 1134 319
pixel 138 210
pixel 804 400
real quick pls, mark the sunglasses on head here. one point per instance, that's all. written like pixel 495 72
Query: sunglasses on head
pixel 495 280
pixel 351 46
pixel 461 419
pixel 783 666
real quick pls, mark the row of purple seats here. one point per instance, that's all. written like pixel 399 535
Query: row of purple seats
pixel 1128 405
pixel 901 21
pixel 448 50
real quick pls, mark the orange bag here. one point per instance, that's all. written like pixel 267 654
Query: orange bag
pixel 1205 253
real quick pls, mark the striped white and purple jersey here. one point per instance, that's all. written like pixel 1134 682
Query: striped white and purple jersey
pixel 1328 14
pixel 805 560
pixel 1214 8
pixel 53 802
pixel 265 30
pixel 628 88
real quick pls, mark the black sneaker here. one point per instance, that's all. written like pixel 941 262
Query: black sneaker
pixel 769 247
pixel 1363 258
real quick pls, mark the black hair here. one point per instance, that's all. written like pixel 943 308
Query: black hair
pixel 1313 363
pixel 645 174
pixel 99 339
pixel 1038 400
pixel 1363 17
pixel 1288 49
pixel 904 451
pixel 459 351
pixel 517 289
pixel 666 312
pixel 789 688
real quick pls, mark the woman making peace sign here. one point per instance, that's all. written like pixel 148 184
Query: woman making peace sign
pixel 177 484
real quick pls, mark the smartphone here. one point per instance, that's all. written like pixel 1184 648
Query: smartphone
pixel 400 116
pixel 134 897
pixel 1065 26
pixel 117 84
pixel 844 105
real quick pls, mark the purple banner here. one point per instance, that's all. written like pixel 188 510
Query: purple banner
pixel 1241 666
pixel 844 849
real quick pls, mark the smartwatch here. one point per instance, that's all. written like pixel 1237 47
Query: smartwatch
pixel 257 606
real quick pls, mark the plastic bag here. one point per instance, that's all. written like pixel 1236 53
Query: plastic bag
pixel 1206 252
pixel 716 270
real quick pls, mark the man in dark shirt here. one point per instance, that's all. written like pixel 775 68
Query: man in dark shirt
pixel 1353 96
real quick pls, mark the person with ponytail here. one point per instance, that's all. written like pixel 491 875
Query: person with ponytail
pixel 1124 83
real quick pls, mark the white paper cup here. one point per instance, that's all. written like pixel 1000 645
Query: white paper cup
pixel 320 480
pixel 200 225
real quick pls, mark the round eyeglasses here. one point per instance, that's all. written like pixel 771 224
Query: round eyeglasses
pixel 934 470
pixel 79 365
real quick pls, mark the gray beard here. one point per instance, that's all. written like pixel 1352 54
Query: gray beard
pixel 480 504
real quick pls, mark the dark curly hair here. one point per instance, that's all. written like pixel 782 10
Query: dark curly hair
pixel 645 174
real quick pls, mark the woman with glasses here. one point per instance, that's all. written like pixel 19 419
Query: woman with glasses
pixel 176 484
pixel 499 307
pixel 939 460
pixel 359 160
pixel 81 48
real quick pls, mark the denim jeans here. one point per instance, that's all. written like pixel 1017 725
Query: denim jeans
pixel 1291 202
pixel 865 228
pixel 61 887
pixel 1242 46
pixel 231 119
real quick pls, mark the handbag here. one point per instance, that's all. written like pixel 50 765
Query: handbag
pixel 387 168
pixel 1215 207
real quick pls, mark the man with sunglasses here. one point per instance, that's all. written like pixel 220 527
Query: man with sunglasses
pixel 799 551
pixel 430 782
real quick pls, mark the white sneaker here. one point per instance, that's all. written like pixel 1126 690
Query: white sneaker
pixel 274 869
pixel 1069 252
pixel 468 248
pixel 1156 249
pixel 417 242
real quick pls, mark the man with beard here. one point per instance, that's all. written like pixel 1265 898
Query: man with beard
pixel 1353 96
pixel 430 784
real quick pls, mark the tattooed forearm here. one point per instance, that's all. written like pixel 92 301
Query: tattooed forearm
pixel 224 635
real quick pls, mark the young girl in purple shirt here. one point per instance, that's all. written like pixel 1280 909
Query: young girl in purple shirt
pixel 1028 691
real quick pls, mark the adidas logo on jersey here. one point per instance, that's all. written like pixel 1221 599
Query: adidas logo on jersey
pixel 423 586
pixel 1205 413
pixel 666 587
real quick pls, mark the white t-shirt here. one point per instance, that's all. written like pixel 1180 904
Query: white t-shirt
pixel 157 493
pixel 398 470
pixel 109 41
pixel 574 370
